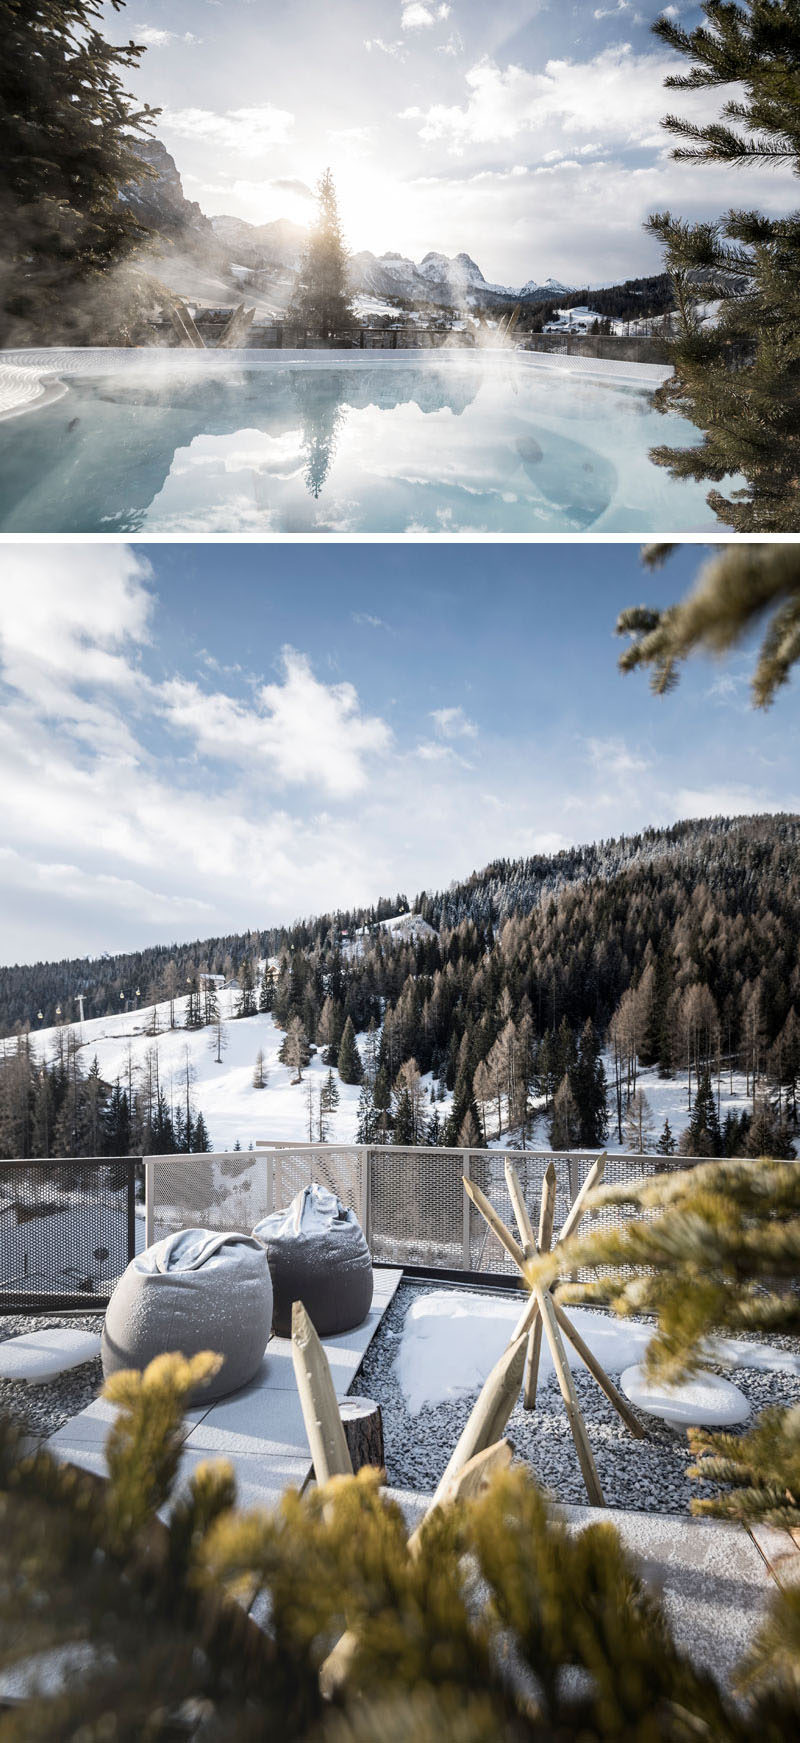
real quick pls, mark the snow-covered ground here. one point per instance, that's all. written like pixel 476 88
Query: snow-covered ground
pixel 452 1339
pixel 231 1107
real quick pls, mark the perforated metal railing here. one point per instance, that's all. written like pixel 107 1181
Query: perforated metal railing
pixel 410 1202
pixel 67 1231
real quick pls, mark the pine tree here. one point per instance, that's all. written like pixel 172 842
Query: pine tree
pixel 737 380
pixel 246 1002
pixel 321 301
pixel 349 1059
pixel 260 1071
pixel 194 1009
pixel 666 1142
pixel 68 143
pixel 329 1094
pixel 133 1573
pixel 199 1137
pixel 721 1252
pixel 739 587
pixel 703 1137
pixel 588 1084
pixel 367 1117
pixel 266 991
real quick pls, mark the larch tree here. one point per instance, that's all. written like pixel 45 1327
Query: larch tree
pixel 637 1125
pixel 69 132
pixel 321 301
pixel 565 1126
pixel 737 379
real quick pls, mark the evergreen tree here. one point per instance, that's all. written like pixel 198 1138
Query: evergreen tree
pixel 666 1142
pixel 382 1101
pixel 367 1118
pixel 260 1071
pixel 68 143
pixel 349 1060
pixel 703 1137
pixel 721 1251
pixel 588 1084
pixel 321 301
pixel 266 991
pixel 737 380
pixel 433 1134
pixel 199 1137
pixel 736 590
pixel 246 1002
pixel 194 1008
pixel 329 1094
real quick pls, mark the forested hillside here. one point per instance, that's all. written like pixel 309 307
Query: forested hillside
pixel 676 949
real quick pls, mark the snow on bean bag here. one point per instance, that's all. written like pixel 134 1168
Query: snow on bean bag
pixel 195 1290
pixel 318 1255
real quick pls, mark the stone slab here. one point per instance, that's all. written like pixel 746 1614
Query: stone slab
pixel 38 1356
pixel 781 1552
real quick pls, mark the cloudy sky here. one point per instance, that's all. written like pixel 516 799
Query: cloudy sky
pixel 199 738
pixel 525 134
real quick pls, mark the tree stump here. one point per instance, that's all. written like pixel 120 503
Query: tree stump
pixel 363 1431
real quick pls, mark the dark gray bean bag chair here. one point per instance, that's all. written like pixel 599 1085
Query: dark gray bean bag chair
pixel 318 1255
pixel 195 1290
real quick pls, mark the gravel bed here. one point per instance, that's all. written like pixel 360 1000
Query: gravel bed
pixel 647 1475
pixel 43 1409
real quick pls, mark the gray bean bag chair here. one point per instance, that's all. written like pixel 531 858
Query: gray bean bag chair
pixel 318 1255
pixel 195 1290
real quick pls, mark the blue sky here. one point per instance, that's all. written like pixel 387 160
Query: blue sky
pixel 525 134
pixel 199 738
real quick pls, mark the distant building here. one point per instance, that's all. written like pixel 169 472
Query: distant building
pixel 579 320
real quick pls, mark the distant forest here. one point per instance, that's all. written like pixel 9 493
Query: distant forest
pixel 676 948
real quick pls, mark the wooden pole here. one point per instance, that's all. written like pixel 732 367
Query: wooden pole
pixel 569 1395
pixel 496 1223
pixel 547 1212
pixel 490 1413
pixel 318 1400
pixel 598 1373
pixel 466 1484
pixel 578 1210
pixel 520 1210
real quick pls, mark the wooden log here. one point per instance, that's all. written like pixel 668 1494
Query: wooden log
pixel 470 1481
pixel 578 1210
pixel 495 1222
pixel 363 1430
pixel 184 325
pixel 520 1210
pixel 598 1373
pixel 569 1395
pixel 490 1413
pixel 326 1437
pixel 547 1212
pixel 236 329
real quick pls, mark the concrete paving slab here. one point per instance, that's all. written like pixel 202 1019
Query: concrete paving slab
pixel 260 1480
pixel 258 1422
pixel 781 1552
pixel 714 1583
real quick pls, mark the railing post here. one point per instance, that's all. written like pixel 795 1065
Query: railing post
pixel 365 1195
pixel 466 1250
pixel 269 1161
pixel 149 1201
pixel 574 1178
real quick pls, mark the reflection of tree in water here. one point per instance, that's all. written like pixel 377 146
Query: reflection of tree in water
pixel 325 397
pixel 320 403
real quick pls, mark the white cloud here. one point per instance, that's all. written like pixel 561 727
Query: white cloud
pixel 307 732
pixel 617 97
pixel 419 16
pixel 247 132
pixel 152 37
pixel 453 723
pixel 611 11
pixel 396 49
pixel 612 756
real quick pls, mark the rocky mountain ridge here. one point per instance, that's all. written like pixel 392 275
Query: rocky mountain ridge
pixel 269 254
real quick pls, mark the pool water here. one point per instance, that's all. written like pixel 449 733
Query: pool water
pixel 458 445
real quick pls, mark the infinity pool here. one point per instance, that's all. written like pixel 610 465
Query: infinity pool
pixel 168 442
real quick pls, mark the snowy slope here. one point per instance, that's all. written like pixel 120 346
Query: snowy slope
pixel 231 1107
